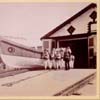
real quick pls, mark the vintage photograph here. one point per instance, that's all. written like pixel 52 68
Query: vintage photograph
pixel 48 49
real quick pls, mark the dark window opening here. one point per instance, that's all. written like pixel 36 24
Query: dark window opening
pixel 91 42
pixel 46 44
pixel 91 52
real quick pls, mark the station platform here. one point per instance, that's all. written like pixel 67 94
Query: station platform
pixel 46 82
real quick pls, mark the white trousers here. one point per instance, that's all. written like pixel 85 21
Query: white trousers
pixel 47 63
pixel 53 63
pixel 62 63
pixel 71 64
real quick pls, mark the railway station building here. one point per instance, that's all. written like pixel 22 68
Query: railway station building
pixel 80 33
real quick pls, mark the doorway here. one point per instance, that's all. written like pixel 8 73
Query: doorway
pixel 80 51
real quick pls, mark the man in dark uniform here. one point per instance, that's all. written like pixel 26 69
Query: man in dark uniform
pixel 67 54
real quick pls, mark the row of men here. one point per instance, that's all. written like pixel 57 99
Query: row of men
pixel 59 58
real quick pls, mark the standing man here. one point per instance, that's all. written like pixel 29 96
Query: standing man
pixel 67 55
pixel 52 59
pixel 72 60
pixel 62 63
pixel 58 59
pixel 46 57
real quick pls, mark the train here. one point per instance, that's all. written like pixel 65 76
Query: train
pixel 15 55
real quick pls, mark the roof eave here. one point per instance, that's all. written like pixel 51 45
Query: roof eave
pixel 92 5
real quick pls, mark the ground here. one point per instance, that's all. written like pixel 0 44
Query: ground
pixel 45 82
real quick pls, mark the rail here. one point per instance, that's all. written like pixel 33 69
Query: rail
pixel 73 88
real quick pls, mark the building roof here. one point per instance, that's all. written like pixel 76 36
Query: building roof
pixel 92 5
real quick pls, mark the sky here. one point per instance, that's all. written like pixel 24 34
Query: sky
pixel 26 23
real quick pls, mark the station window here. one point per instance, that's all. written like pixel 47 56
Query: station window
pixel 46 44
pixel 53 44
pixel 91 42
pixel 91 52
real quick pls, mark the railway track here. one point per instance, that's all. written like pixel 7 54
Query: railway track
pixel 76 86
pixel 9 84
pixel 11 72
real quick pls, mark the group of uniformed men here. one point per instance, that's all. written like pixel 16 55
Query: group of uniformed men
pixel 58 58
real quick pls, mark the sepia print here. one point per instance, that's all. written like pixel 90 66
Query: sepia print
pixel 48 49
